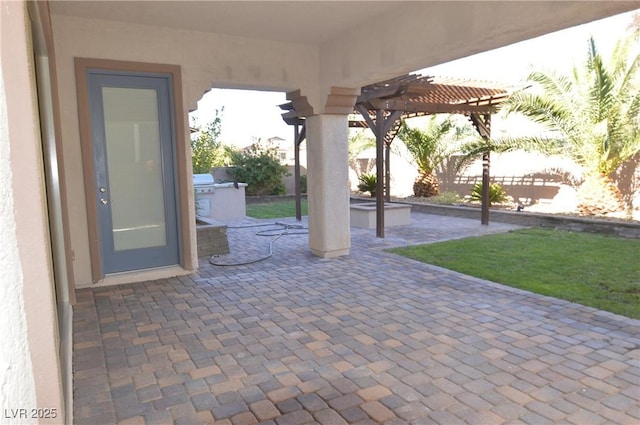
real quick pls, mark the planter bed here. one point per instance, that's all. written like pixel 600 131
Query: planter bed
pixel 211 237
pixel 621 228
pixel 364 215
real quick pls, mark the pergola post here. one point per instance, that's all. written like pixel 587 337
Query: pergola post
pixel 380 174
pixel 381 126
pixel 486 181
pixel 298 137
pixel 482 123
pixel 387 171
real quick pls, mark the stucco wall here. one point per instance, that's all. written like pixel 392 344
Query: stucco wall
pixel 207 60
pixel 29 372
pixel 17 386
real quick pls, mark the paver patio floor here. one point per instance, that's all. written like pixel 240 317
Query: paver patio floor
pixel 371 338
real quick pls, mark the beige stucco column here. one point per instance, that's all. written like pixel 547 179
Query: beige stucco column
pixel 328 188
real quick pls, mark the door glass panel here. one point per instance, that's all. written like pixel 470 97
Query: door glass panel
pixel 134 166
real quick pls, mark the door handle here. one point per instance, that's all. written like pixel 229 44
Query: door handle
pixel 103 189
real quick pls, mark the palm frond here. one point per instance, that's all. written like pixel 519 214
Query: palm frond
pixel 595 109
pixel 622 58
pixel 602 86
pixel 547 111
pixel 626 68
pixel 554 84
pixel 429 146
pixel 545 145
pixel 633 110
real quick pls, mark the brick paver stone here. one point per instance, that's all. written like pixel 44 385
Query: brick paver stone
pixel 245 418
pixel 312 402
pixel 374 393
pixel 377 411
pixel 368 338
pixel 264 410
pixel 329 417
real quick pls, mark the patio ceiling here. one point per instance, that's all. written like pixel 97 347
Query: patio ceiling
pixel 309 22
pixel 312 45
pixel 270 20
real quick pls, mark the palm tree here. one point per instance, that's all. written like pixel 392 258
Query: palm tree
pixel 593 116
pixel 430 148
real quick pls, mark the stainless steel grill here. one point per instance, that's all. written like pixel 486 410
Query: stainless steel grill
pixel 203 183
pixel 204 188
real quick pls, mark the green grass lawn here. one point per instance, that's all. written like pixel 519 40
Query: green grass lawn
pixel 275 209
pixel 594 270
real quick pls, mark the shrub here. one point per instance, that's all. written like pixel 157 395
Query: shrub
pixel 260 168
pixel 368 183
pixel 445 198
pixel 496 193
pixel 303 183
pixel 206 148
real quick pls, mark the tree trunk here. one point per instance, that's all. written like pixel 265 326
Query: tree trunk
pixel 598 195
pixel 426 185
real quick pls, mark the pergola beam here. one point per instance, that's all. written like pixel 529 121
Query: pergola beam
pixel 379 92
pixel 440 108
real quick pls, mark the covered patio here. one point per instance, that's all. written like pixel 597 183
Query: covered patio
pixel 367 339
pixel 204 345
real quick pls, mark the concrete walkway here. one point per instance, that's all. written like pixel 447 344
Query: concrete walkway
pixel 371 338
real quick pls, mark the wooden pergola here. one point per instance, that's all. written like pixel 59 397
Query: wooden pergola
pixel 382 107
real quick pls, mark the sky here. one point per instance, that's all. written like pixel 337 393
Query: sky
pixel 250 114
